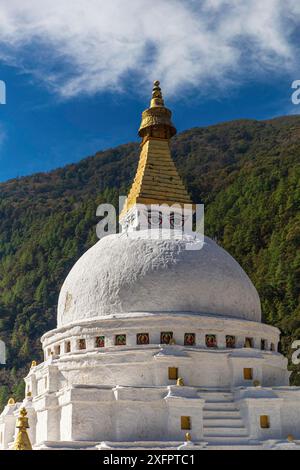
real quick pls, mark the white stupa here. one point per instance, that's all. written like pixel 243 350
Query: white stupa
pixel 154 340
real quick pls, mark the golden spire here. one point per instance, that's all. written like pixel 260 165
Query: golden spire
pixel 156 181
pixel 11 401
pixel 22 441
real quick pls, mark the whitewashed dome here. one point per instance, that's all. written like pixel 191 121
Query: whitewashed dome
pixel 121 275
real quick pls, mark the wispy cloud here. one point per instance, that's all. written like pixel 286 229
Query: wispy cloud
pixel 80 46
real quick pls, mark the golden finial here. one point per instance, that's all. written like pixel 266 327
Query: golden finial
pixel 28 394
pixel 188 437
pixel 22 441
pixel 33 364
pixel 290 438
pixel 11 401
pixel 157 99
pixel 156 120
pixel 180 382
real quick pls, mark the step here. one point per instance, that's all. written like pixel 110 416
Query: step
pixel 208 400
pixel 225 400
pixel 234 440
pixel 219 406
pixel 221 422
pixel 233 446
pixel 214 390
pixel 224 432
pixel 211 396
pixel 221 414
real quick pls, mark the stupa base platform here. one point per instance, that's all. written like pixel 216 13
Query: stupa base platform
pixel 168 445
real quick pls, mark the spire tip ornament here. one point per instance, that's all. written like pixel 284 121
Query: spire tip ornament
pixel 156 120
pixel 157 99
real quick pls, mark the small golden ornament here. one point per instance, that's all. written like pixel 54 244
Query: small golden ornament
pixel 172 341
pixel 11 401
pixel 33 364
pixel 188 437
pixel 22 441
pixel 180 382
pixel 290 438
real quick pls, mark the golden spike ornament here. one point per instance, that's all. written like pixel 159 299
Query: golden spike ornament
pixel 11 401
pixel 22 441
pixel 157 99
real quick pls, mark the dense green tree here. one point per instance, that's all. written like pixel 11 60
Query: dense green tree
pixel 4 395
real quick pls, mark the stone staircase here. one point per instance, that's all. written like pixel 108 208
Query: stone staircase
pixel 222 421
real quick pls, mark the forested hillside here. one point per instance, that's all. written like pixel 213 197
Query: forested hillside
pixel 246 172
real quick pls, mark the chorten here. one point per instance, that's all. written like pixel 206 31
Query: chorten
pixel 158 346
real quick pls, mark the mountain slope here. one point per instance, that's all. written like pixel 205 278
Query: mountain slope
pixel 246 172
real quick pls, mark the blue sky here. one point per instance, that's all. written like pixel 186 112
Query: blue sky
pixel 78 87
